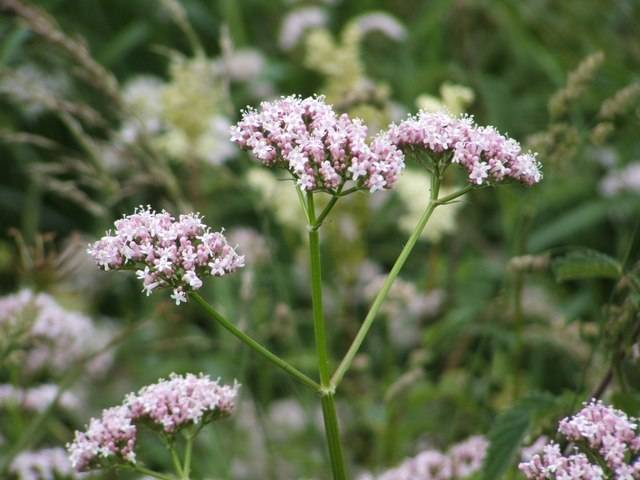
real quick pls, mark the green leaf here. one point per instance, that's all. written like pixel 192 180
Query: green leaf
pixel 585 263
pixel 571 223
pixel 508 431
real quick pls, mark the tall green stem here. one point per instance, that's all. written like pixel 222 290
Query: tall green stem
pixel 186 466
pixel 393 274
pixel 328 405
pixel 254 345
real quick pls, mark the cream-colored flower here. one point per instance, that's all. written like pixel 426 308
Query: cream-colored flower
pixel 414 188
pixel 453 98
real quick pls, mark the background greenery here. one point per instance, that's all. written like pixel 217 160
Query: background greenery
pixel 511 349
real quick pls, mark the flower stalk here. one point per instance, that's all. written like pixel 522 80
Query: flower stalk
pixel 346 362
pixel 328 404
pixel 253 344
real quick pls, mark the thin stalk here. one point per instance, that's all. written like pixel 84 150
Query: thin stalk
pixel 328 406
pixel 176 462
pixel 151 473
pixel 186 466
pixel 318 223
pixel 434 201
pixel 254 345
pixel 316 295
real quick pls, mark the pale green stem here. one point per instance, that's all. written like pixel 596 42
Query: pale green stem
pixel 328 405
pixel 253 344
pixel 176 462
pixel 151 473
pixel 434 201
pixel 318 223
pixel 186 466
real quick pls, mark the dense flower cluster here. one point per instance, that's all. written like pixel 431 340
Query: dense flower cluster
pixel 461 461
pixel 606 432
pixel 166 252
pixel 36 399
pixel 169 405
pixel 321 149
pixel 45 464
pixel 487 155
pixel 48 336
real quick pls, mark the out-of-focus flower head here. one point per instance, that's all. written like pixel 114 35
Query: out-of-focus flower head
pixel 44 464
pixel 297 22
pixel 166 252
pixel 453 98
pixel 605 432
pixel 186 116
pixel 414 185
pixel 461 461
pixel 169 405
pixel 48 337
pixel 282 202
pixel 626 180
pixel 339 61
pixel 382 22
pixel 487 155
pixel 33 89
pixel 323 151
pixel 253 244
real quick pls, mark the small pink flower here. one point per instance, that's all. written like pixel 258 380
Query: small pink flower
pixel 166 252
pixel 322 150
pixel 487 155
pixel 169 405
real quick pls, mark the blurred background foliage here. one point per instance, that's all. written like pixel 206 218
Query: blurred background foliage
pixel 525 294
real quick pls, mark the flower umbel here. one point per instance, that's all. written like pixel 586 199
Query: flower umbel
pixel 166 252
pixel 168 405
pixel 487 155
pixel 321 149
pixel 605 432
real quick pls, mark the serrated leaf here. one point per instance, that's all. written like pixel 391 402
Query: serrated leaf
pixel 585 263
pixel 508 431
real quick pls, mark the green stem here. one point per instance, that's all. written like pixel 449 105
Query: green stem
pixel 257 347
pixel 316 295
pixel 328 406
pixel 176 462
pixel 318 223
pixel 434 201
pixel 151 473
pixel 186 468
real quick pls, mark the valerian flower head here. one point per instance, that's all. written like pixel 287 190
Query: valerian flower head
pixel 487 155
pixel 168 406
pixel 461 461
pixel 323 151
pixel 166 252
pixel 44 464
pixel 606 432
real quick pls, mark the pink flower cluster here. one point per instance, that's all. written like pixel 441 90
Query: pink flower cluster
pixel 45 464
pixel 607 432
pixel 321 149
pixel 487 155
pixel 169 405
pixel 166 252
pixel 552 464
pixel 53 337
pixel 461 461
